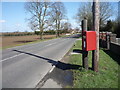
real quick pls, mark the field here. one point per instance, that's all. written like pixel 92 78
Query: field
pixel 10 41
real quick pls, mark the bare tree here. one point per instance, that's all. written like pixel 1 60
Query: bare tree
pixel 58 13
pixel 105 12
pixel 66 26
pixel 85 10
pixel 40 12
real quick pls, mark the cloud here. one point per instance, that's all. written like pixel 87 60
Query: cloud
pixel 17 25
pixel 64 20
pixel 2 21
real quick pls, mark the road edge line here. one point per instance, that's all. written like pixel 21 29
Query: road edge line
pixel 42 81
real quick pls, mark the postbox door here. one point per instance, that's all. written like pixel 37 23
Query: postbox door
pixel 90 40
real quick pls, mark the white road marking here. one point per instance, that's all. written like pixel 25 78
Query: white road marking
pixel 11 57
pixel 52 69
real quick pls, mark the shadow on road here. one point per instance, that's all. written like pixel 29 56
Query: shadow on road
pixel 58 64
pixel 62 74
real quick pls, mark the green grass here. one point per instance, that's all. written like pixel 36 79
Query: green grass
pixel 107 77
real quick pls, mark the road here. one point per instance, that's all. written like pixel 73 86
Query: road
pixel 24 66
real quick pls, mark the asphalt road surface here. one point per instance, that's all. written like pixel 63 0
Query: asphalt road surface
pixel 24 66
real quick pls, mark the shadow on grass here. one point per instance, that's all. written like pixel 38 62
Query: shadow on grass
pixel 113 56
pixel 65 66
pixel 78 51
pixel 58 64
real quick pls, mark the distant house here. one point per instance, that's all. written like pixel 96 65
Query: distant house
pixel 73 31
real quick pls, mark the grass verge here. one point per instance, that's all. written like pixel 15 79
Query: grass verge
pixel 107 77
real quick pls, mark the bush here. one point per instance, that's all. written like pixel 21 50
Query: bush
pixel 50 32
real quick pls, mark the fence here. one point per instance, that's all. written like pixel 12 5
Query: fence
pixel 109 41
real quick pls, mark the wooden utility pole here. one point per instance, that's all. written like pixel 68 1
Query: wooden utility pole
pixel 85 53
pixel 95 53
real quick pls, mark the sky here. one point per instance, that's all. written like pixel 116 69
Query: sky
pixel 14 16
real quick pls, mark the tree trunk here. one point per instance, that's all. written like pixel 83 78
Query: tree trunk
pixel 41 34
pixel 56 29
pixel 95 53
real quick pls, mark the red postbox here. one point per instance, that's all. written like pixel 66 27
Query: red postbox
pixel 89 40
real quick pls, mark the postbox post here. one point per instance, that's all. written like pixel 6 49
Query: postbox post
pixel 85 53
